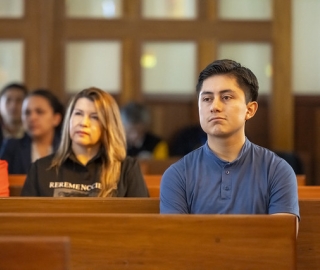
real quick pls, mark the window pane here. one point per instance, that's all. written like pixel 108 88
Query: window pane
pixel 306 44
pixel 11 8
pixel 94 8
pixel 255 56
pixel 168 67
pixel 245 9
pixel 11 62
pixel 174 9
pixel 93 64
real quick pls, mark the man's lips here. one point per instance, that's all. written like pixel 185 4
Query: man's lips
pixel 215 119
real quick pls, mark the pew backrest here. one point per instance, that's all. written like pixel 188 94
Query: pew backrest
pixel 309 192
pixel 156 166
pixel 34 252
pixel 153 184
pixel 301 179
pixel 16 182
pixel 153 241
pixel 78 205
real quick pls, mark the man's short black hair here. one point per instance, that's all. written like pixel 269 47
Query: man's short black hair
pixel 245 78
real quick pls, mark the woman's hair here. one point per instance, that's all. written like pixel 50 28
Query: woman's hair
pixel 113 140
pixel 54 102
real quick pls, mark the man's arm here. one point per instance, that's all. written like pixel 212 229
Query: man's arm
pixel 173 199
pixel 284 192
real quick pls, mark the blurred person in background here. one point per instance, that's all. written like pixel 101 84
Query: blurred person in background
pixel 141 143
pixel 42 115
pixel 11 98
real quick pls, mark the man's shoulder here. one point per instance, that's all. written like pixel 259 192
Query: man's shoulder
pixel 265 155
pixel 189 159
pixel 262 151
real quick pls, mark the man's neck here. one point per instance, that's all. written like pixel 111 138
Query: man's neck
pixel 227 149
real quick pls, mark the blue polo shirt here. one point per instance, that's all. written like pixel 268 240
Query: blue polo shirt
pixel 257 182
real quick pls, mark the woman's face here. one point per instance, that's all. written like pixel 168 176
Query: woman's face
pixel 85 126
pixel 38 117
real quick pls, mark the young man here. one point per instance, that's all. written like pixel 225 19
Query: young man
pixel 11 98
pixel 229 174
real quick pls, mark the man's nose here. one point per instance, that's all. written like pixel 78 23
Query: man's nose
pixel 215 105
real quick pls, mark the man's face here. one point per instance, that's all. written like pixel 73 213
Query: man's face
pixel 222 107
pixel 10 105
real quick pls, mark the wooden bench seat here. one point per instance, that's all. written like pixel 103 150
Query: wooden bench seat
pixel 152 241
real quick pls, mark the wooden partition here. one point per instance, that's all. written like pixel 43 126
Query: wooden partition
pixel 34 252
pixel 152 241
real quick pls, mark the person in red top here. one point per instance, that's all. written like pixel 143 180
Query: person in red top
pixel 4 179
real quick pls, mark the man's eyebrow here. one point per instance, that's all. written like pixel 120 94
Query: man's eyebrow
pixel 220 92
pixel 206 93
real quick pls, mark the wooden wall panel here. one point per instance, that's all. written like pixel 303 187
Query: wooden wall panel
pixel 281 102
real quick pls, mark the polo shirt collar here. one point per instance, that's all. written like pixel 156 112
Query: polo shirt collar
pixel 244 150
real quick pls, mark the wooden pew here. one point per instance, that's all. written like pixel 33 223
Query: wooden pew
pixel 309 192
pixel 153 184
pixel 308 242
pixel 152 241
pixel 32 252
pixel 78 205
pixel 301 179
pixel 16 182
pixel 155 166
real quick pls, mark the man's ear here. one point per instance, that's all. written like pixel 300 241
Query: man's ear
pixel 252 108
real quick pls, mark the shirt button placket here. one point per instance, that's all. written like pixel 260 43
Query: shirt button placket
pixel 226 189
